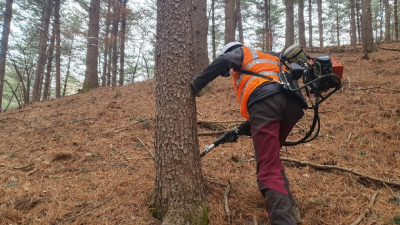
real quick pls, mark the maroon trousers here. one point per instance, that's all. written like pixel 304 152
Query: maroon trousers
pixel 271 121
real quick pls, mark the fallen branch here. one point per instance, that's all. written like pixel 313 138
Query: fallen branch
pixel 211 133
pixel 234 121
pixel 325 167
pixel 391 49
pixel 151 154
pixel 226 202
pixel 84 212
pixel 24 167
pixel 27 146
pixel 361 217
pixel 117 129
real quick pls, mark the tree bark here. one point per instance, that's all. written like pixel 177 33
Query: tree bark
pixel 116 18
pixel 320 28
pixel 213 28
pixel 396 21
pixel 337 26
pixel 353 35
pixel 289 31
pixel 122 47
pixel 4 46
pixel 58 47
pixel 106 44
pixel 387 21
pixel 229 21
pixel 310 28
pixel 268 28
pixel 68 67
pixel 367 36
pixel 302 35
pixel 359 18
pixel 37 86
pixel 200 30
pixel 91 76
pixel 179 187
pixel 238 13
pixel 46 91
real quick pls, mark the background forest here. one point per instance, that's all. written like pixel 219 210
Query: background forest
pixel 48 42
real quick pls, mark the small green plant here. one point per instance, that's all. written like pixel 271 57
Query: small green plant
pixel 122 164
pixel 362 153
pixel 242 160
pixel 12 184
pixel 95 157
pixel 396 219
pixel 395 201
pixel 138 145
pixel 12 155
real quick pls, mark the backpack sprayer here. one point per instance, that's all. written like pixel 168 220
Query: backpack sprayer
pixel 319 75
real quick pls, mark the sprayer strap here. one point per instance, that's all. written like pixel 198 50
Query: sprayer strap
pixel 255 74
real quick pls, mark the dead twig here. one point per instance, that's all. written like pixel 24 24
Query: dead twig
pixel 151 154
pixel 325 167
pixel 361 217
pixel 391 49
pixel 394 194
pixel 24 167
pixel 27 146
pixel 213 182
pixel 234 121
pixel 84 212
pixel 226 202
pixel 348 138
pixel 211 133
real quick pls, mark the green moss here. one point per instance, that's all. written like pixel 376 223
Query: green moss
pixel 196 219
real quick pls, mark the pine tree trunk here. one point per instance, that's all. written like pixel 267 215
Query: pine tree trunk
pixel 381 22
pixel 387 21
pixel 200 30
pixel 229 21
pixel 37 86
pixel 337 27
pixel 239 21
pixel 46 91
pixel 92 76
pixel 302 36
pixel 106 44
pixel 268 29
pixel 289 31
pixel 58 47
pixel 4 46
pixel 68 67
pixel 116 18
pixel 367 36
pixel 320 28
pixel 359 18
pixel 213 28
pixel 179 187
pixel 310 28
pixel 396 21
pixel 122 47
pixel 353 35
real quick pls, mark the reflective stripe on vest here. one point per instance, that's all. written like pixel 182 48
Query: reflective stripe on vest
pixel 244 84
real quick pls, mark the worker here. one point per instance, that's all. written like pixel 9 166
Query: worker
pixel 270 113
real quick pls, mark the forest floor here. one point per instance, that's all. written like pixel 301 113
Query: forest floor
pixel 82 159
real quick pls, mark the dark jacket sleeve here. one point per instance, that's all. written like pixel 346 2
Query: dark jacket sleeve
pixel 220 66
pixel 244 128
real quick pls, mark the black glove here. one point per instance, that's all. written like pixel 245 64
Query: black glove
pixel 232 135
pixel 195 90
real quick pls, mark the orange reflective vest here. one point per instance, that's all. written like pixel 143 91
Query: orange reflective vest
pixel 256 62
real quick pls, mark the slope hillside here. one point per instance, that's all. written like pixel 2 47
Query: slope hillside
pixel 82 159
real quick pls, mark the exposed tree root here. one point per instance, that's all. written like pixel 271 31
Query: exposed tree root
pixel 324 167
